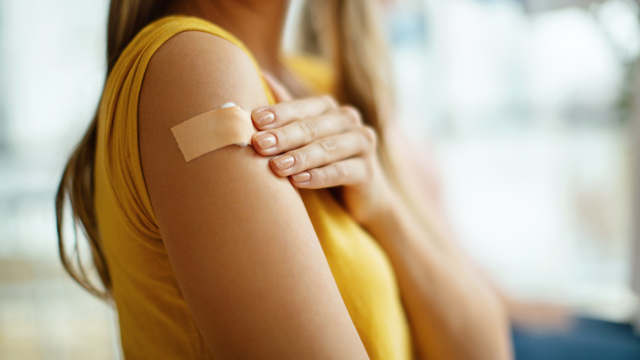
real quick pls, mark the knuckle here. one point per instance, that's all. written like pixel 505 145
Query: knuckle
pixel 330 101
pixel 320 176
pixel 296 109
pixel 309 129
pixel 370 135
pixel 352 114
pixel 341 173
pixel 328 146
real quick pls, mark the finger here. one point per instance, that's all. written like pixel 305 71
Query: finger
pixel 279 91
pixel 299 133
pixel 323 152
pixel 277 115
pixel 347 172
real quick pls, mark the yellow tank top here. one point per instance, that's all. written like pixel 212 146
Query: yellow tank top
pixel 155 322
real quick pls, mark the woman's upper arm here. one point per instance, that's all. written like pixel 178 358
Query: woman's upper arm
pixel 239 239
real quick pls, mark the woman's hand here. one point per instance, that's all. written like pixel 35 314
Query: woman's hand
pixel 321 144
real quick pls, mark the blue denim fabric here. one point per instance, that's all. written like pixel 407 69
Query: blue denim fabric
pixel 587 340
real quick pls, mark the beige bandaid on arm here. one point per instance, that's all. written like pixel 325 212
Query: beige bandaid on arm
pixel 213 130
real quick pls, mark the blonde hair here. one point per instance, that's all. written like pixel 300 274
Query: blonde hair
pixel 346 32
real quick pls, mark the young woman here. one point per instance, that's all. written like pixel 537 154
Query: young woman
pixel 244 253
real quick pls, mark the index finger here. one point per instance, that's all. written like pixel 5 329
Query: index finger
pixel 275 116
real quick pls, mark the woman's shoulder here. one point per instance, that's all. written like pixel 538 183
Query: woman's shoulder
pixel 315 71
pixel 176 31
pixel 192 69
pixel 174 69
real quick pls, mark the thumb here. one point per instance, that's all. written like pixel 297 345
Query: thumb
pixel 279 91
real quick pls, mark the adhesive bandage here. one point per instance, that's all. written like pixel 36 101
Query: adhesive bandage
pixel 229 125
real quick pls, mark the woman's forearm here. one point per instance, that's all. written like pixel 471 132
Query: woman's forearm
pixel 453 312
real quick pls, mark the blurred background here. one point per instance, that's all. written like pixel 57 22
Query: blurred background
pixel 525 107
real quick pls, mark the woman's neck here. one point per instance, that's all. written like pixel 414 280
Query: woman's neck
pixel 257 23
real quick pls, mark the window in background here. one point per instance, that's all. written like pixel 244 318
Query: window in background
pixel 526 115
pixel 52 71
pixel 3 120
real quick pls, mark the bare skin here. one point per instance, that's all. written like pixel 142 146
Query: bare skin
pixel 261 230
pixel 454 312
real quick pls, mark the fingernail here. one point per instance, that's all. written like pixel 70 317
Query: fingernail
pixel 284 162
pixel 266 141
pixel 263 118
pixel 302 177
